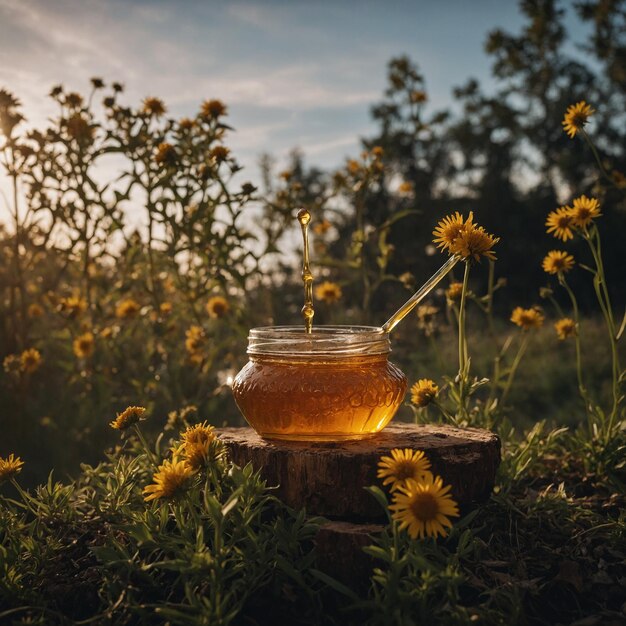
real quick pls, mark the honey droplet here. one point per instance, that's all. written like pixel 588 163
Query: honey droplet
pixel 304 217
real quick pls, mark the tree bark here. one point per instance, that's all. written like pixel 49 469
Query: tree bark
pixel 328 478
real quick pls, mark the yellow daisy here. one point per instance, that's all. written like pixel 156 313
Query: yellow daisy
pixel 454 291
pixel 557 261
pixel 129 416
pixel 576 117
pixel 328 292
pixel 194 339
pixel 565 327
pixel 186 124
pixel 166 154
pixel 78 128
pixel 560 223
pixel 423 392
pixel 30 360
pixel 584 211
pixel 172 479
pixel 474 243
pixel 217 307
pixel 10 467
pixel 424 507
pixel 527 318
pixel 35 310
pixel 73 306
pixel 213 109
pixel 449 229
pixel 402 464
pixel 84 345
pixel 219 153
pixel 154 106
pixel 127 308
pixel 199 433
pixel 321 228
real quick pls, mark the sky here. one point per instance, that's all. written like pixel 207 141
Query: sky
pixel 294 74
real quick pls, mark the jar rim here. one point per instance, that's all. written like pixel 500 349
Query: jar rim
pixel 327 341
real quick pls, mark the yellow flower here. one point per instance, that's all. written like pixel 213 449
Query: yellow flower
pixel 402 464
pixel 165 308
pixel 328 292
pixel 417 96
pixel 576 117
pixel 199 444
pixel 12 364
pixel 213 109
pixel 405 188
pixel 74 100
pixel 321 228
pixel 558 261
pixel 449 229
pixel 166 154
pixel 78 128
pixel 219 153
pixel 426 318
pixel 618 179
pixel 565 327
pixel 30 360
pixel 129 416
pixel 199 433
pixel 73 306
pixel 527 318
pixel 426 311
pixel 584 211
pixel 560 223
pixel 424 507
pixel 10 467
pixel 83 345
pixel 217 307
pixel 423 392
pixel 197 455
pixel 172 479
pixel 453 292
pixel 127 308
pixel 35 310
pixel 186 124
pixel 194 341
pixel 353 166
pixel 473 243
pixel 154 106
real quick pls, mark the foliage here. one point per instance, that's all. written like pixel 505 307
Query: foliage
pixel 139 287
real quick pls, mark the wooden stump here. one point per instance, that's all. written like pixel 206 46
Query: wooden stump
pixel 328 478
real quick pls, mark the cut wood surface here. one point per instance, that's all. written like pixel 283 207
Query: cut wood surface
pixel 327 478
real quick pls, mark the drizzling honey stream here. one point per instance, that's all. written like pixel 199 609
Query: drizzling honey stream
pixel 304 217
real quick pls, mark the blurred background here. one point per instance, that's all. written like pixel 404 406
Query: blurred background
pixel 154 155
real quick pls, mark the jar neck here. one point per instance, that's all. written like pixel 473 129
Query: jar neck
pixel 310 360
pixel 324 342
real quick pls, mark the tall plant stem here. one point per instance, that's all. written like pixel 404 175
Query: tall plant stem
pixel 579 367
pixel 602 293
pixel 462 337
pixel 516 361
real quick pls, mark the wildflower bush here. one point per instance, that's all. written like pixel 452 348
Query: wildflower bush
pixel 125 302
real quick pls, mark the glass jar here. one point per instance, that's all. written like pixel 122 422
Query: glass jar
pixel 333 384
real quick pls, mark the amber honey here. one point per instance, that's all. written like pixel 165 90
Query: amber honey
pixel 332 384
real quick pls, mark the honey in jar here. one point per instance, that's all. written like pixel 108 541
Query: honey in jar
pixel 333 383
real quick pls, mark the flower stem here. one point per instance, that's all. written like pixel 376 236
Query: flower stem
pixel 462 338
pixel 579 368
pixel 516 361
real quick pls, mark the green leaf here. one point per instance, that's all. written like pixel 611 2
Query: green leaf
pixel 334 584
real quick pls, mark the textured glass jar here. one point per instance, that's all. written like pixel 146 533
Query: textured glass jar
pixel 333 384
